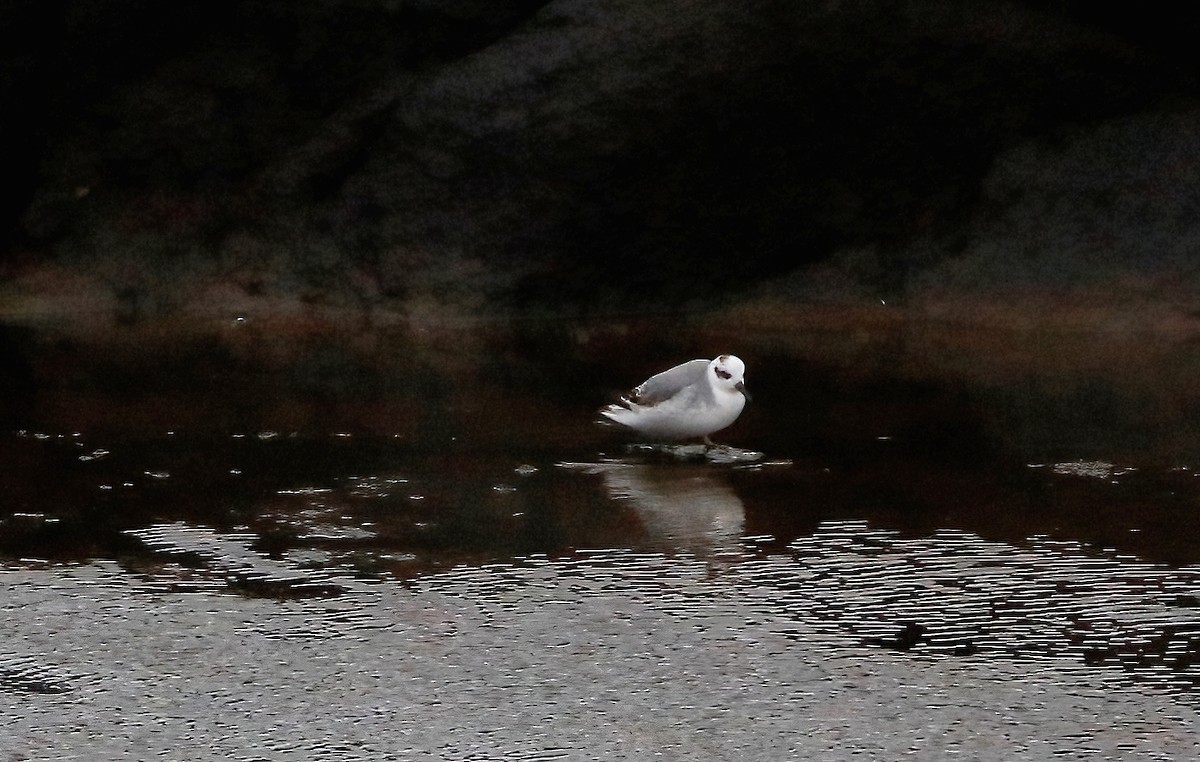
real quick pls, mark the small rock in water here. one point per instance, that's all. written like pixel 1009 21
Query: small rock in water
pixel 722 454
pixel 727 454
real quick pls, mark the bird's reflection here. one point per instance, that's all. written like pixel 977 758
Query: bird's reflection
pixel 691 509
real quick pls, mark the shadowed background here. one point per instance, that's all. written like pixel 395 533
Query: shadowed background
pixel 337 197
pixel 486 156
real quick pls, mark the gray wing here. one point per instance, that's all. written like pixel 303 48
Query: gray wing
pixel 667 384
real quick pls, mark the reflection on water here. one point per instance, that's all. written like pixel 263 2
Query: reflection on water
pixel 687 508
pixel 955 593
pixel 187 558
pixel 849 545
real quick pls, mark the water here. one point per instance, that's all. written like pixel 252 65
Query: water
pixel 433 552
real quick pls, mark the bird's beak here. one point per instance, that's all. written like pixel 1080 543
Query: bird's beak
pixel 741 387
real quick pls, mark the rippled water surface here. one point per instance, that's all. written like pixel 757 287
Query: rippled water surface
pixel 452 561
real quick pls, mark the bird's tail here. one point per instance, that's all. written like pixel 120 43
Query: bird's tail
pixel 616 413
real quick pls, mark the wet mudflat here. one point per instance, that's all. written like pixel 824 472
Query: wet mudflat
pixel 319 563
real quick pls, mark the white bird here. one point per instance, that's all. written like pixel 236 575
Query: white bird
pixel 693 399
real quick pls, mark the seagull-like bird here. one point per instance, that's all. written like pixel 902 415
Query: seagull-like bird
pixel 693 399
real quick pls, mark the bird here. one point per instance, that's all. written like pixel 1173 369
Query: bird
pixel 693 399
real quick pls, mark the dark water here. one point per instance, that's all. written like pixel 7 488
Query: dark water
pixel 437 553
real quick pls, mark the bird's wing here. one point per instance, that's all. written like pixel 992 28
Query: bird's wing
pixel 667 384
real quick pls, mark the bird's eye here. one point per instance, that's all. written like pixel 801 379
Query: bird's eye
pixel 723 373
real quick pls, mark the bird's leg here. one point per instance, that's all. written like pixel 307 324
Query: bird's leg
pixel 709 442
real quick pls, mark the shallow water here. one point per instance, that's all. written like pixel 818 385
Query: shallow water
pixel 225 560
